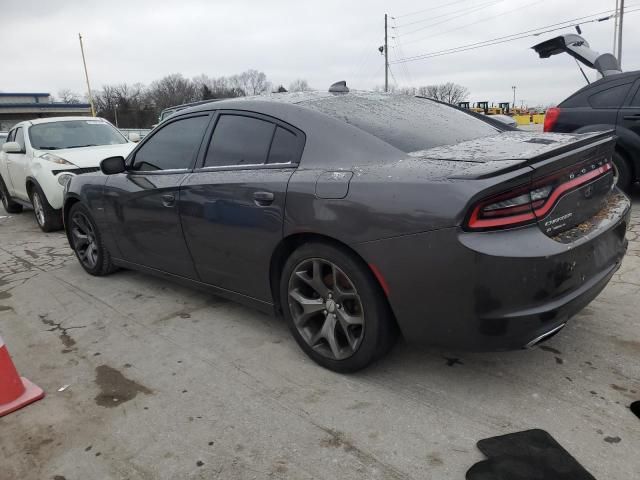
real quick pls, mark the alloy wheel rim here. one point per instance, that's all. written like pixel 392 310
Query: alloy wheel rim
pixel 616 174
pixel 84 240
pixel 326 308
pixel 38 209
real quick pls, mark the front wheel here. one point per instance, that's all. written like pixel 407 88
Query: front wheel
pixel 86 242
pixel 335 309
pixel 48 218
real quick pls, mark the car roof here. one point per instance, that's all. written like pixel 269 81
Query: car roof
pixel 38 121
pixel 295 98
pixel 617 78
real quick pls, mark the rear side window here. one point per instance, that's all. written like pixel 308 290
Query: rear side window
pixel 239 140
pixel 407 123
pixel 285 147
pixel 611 97
pixel 173 146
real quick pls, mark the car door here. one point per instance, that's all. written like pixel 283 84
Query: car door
pixel 4 163
pixel 141 204
pixel 629 114
pixel 232 206
pixel 17 166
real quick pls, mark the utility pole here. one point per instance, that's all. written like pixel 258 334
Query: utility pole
pixel 386 56
pixel 514 95
pixel 620 33
pixel 615 29
pixel 86 76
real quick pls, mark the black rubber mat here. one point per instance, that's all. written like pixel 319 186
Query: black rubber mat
pixel 528 455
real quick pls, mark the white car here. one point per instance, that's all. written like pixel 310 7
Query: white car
pixel 39 157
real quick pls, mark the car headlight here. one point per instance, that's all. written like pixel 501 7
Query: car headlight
pixel 50 157
pixel 64 179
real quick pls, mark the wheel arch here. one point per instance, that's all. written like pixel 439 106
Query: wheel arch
pixel 30 182
pixel 290 243
pixel 69 202
pixel 624 152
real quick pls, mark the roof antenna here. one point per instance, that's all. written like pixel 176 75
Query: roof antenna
pixel 583 74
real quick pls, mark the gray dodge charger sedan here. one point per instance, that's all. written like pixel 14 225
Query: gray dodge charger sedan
pixel 358 216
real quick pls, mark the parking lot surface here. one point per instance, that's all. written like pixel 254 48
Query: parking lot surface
pixel 148 380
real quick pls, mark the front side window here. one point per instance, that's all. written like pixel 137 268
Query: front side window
pixel 12 135
pixel 173 147
pixel 20 138
pixel 239 140
pixel 636 99
pixel 74 134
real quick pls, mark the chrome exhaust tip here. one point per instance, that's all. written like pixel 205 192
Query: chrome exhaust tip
pixel 544 336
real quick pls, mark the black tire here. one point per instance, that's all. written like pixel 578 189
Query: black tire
pixel 80 222
pixel 378 332
pixel 9 205
pixel 47 218
pixel 623 172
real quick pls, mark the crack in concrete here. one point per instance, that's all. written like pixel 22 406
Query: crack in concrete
pixel 65 338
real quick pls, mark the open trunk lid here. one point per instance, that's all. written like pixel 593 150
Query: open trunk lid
pixel 566 178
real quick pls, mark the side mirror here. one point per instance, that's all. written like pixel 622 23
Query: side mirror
pixel 11 147
pixel 134 137
pixel 113 165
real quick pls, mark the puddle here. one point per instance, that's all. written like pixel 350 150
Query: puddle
pixel 115 388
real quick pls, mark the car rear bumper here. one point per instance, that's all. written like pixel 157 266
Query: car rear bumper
pixel 495 290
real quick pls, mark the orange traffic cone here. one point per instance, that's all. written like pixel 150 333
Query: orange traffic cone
pixel 15 391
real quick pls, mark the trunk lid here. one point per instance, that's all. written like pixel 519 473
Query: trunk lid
pixel 568 176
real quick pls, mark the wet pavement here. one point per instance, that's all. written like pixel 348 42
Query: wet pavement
pixel 163 382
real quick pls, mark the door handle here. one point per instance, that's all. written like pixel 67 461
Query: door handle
pixel 263 199
pixel 168 200
pixel 632 117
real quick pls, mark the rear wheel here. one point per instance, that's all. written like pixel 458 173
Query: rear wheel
pixel 86 242
pixel 622 171
pixel 48 218
pixel 9 205
pixel 335 309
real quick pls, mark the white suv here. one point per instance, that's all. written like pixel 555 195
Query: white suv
pixel 39 157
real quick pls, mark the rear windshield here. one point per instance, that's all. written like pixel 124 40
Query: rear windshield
pixel 408 123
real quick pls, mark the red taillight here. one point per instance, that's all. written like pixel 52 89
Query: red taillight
pixel 525 205
pixel 550 118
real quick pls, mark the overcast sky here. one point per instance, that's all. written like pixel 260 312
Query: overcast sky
pixel 321 41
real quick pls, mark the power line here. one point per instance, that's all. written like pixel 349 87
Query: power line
pixel 402 25
pixel 504 39
pixel 398 48
pixel 473 23
pixel 393 76
pixel 465 12
pixel 429 9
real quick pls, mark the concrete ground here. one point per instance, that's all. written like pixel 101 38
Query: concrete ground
pixel 148 380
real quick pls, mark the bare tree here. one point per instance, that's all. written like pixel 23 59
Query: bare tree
pixel 252 82
pixel 299 85
pixel 68 96
pixel 446 92
pixel 220 87
pixel 172 90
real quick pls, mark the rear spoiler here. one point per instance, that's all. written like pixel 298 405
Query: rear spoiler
pixel 578 48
